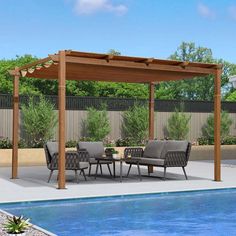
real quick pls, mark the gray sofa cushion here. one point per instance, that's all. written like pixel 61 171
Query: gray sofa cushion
pixel 174 145
pixel 152 161
pixel 154 149
pixel 52 147
pixel 94 149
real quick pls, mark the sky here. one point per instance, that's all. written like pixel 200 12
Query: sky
pixel 146 28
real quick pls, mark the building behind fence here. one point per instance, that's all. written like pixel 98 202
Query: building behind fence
pixel 76 112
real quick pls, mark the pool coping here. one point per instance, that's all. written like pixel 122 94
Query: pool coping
pixel 33 225
pixel 118 195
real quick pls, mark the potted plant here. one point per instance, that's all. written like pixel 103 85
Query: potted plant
pixel 115 154
pixel 16 225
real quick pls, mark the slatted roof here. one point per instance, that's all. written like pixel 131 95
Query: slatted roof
pixel 106 67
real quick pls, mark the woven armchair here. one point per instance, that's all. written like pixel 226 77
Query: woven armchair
pixel 94 150
pixel 73 160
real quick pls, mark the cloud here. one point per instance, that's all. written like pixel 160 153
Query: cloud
pixel 232 12
pixel 205 11
pixel 86 7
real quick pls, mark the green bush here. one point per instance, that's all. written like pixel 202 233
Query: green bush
pixel 178 125
pixel 39 121
pixel 5 143
pixel 125 142
pixel 97 125
pixel 71 143
pixel 22 143
pixel 135 124
pixel 208 128
pixel 229 140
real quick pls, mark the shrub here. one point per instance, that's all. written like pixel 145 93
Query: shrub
pixel 39 121
pixel 71 143
pixel 229 140
pixel 135 124
pixel 22 143
pixel 97 124
pixel 125 142
pixel 178 125
pixel 203 141
pixel 208 128
pixel 5 143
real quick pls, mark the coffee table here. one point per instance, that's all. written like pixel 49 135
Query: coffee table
pixel 121 161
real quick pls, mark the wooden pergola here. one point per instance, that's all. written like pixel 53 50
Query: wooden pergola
pixel 74 65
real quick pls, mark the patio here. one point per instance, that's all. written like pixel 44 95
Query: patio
pixel 33 185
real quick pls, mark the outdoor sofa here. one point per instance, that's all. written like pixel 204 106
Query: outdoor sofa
pixel 73 160
pixel 167 153
pixel 94 150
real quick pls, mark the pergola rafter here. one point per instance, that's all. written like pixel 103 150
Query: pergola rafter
pixel 73 65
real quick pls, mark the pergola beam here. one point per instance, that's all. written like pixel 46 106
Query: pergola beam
pixel 135 65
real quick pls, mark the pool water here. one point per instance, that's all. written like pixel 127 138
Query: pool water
pixel 190 213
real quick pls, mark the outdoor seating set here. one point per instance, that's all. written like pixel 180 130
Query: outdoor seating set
pixel 167 153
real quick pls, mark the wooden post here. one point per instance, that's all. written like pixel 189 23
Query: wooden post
pixel 217 116
pixel 151 117
pixel 15 124
pixel 61 94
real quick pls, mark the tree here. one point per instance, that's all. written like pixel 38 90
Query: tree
pixel 200 88
pixel 194 89
pixel 208 128
pixel 97 125
pixel 114 52
pixel 39 121
pixel 135 124
pixel 178 125
pixel 6 80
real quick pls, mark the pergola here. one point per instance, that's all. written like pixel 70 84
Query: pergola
pixel 74 65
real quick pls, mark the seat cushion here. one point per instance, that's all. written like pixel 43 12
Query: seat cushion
pixel 94 149
pixel 132 160
pixel 152 161
pixel 154 149
pixel 83 165
pixel 174 145
pixel 52 147
pixel 93 161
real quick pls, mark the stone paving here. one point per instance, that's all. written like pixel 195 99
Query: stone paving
pixel 32 183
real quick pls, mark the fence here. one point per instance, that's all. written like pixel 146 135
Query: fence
pixel 76 112
pixel 122 104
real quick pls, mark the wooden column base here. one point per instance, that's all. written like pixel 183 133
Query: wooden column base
pixel 150 169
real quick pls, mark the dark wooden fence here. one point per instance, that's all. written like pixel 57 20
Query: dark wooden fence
pixel 122 104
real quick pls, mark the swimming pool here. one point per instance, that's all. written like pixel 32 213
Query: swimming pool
pixel 189 213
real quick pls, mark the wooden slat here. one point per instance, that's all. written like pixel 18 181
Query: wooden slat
pixel 35 63
pixel 136 65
